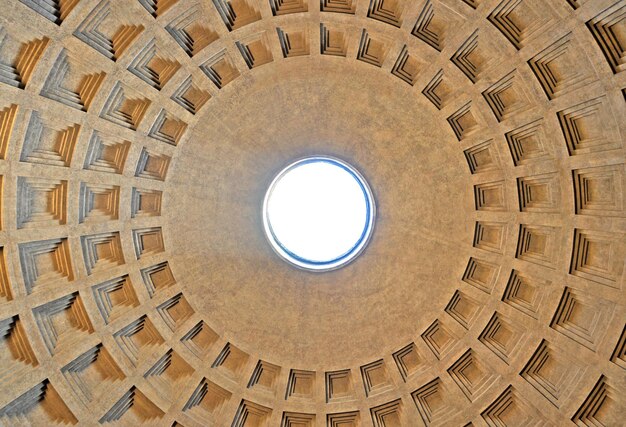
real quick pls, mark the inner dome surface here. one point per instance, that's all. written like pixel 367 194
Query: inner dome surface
pixel 344 316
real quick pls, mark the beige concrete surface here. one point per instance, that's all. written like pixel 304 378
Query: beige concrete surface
pixel 137 140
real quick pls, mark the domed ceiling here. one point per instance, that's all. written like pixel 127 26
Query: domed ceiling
pixel 138 139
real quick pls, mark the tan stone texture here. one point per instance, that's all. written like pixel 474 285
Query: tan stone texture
pixel 138 138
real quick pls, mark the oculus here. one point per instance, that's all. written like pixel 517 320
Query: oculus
pixel 318 213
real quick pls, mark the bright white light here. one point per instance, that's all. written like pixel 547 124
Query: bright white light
pixel 318 211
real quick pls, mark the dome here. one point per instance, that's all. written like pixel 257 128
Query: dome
pixel 138 140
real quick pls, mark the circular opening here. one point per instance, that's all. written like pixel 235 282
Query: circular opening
pixel 318 213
